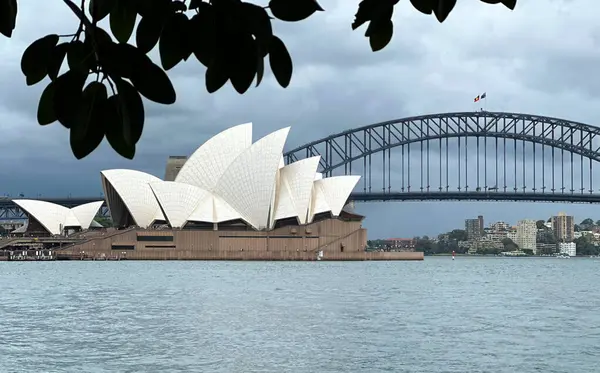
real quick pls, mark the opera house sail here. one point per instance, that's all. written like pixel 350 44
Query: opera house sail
pixel 53 219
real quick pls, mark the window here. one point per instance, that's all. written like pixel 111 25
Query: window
pixel 123 247
pixel 155 238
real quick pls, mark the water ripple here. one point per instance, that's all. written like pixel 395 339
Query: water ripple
pixel 468 315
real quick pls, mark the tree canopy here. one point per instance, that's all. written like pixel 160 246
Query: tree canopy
pixel 99 94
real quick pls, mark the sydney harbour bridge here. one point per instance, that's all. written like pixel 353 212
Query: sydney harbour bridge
pixel 484 156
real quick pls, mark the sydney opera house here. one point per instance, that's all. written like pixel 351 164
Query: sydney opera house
pixel 231 199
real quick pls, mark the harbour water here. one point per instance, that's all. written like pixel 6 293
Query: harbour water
pixel 438 315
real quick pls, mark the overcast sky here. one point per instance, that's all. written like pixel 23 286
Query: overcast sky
pixel 541 58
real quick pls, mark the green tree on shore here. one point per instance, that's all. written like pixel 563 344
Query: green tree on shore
pixel 509 245
pixel 585 245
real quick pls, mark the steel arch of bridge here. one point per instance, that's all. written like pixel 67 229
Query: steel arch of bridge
pixel 342 150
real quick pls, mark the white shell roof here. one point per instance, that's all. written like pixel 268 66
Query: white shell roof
pixel 295 188
pixel 134 189
pixel 53 217
pixel 223 211
pixel 85 213
pixel 178 201
pixel 206 166
pixel 336 190
pixel 318 202
pixel 248 183
pixel 230 178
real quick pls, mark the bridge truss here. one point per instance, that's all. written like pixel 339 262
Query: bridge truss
pixel 466 156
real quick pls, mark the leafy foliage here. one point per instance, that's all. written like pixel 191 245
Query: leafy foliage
pixel 586 246
pixel 100 94
pixel 509 245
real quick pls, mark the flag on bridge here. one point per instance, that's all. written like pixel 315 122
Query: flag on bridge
pixel 480 97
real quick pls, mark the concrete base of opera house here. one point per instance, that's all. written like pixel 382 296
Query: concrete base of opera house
pixel 336 239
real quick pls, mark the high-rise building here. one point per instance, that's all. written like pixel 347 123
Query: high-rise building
pixel 564 227
pixel 526 235
pixel 174 165
pixel 474 228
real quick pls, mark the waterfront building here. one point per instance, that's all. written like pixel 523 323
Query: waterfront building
pixel 228 179
pixel 474 228
pixel 546 248
pixel 512 234
pixel 564 227
pixel 526 235
pixel 568 248
pixel 499 226
pixel 496 235
pixel 231 199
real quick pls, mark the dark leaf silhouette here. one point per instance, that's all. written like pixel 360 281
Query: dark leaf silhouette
pixel 99 9
pixel 510 4
pixel 87 131
pixel 280 61
pixel 203 26
pixel 78 55
pixel 178 6
pixel 243 75
pixel 260 65
pixel 114 128
pixel 68 92
pixel 8 17
pixel 293 10
pixel 131 109
pixel 369 10
pixel 57 58
pixel 216 76
pixel 424 6
pixel 122 20
pixel 381 27
pixel 380 33
pixel 148 32
pixel 173 46
pixel 443 9
pixel 195 4
pixel 257 22
pixel 45 112
pixel 36 58
pixel 113 55
pixel 151 81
